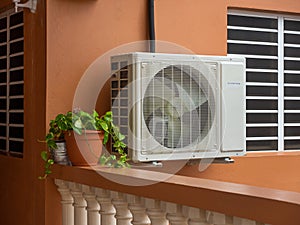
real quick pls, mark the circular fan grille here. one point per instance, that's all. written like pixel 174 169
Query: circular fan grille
pixel 178 106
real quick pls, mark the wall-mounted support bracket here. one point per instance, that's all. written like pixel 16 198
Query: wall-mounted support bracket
pixel 31 4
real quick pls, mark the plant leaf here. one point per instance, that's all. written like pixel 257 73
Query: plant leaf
pixel 44 155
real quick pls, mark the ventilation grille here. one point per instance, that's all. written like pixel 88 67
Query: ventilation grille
pixel 176 107
pixel 11 82
pixel 119 96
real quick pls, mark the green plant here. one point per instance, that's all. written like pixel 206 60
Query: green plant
pixel 79 121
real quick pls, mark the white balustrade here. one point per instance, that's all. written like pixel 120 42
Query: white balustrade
pixel 123 215
pixel 107 210
pixel 85 205
pixel 80 213
pixel 93 207
pixel 66 202
pixel 156 215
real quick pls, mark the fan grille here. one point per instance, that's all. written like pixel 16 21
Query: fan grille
pixel 178 106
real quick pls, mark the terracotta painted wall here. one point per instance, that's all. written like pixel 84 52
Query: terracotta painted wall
pixel 80 31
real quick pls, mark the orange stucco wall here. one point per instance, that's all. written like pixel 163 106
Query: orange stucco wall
pixel 78 32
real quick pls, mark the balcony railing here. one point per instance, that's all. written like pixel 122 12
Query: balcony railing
pixel 86 205
pixel 90 199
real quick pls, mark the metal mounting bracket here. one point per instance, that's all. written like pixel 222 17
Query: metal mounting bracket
pixel 30 4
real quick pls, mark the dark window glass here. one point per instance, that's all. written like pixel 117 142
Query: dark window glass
pixel 16 146
pixel 291 65
pixel 3 77
pixel 16 103
pixel 114 84
pixel 3 64
pixel 261 131
pixel 292 38
pixel 3 37
pixel 16 89
pixel 291 52
pixel 252 49
pixel 292 118
pixel 292 91
pixel 16 118
pixel 3 89
pixel 16 132
pixel 262 118
pixel 3 23
pixel 291 105
pixel 2 145
pixel 16 47
pixel 291 131
pixel 261 77
pixel 261 145
pixel 292 78
pixel 262 63
pixel 16 61
pixel 123 83
pixel 2 131
pixel 16 33
pixel 261 104
pixel 292 25
pixel 124 74
pixel 3 104
pixel 261 91
pixel 247 35
pixel 2 117
pixel 16 75
pixel 248 21
pixel 16 19
pixel 114 93
pixel 292 144
pixel 3 50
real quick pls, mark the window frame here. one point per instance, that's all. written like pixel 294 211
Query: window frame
pixel 280 84
pixel 8 13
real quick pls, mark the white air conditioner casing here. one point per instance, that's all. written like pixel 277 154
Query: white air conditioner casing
pixel 176 106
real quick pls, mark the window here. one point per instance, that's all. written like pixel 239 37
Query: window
pixel 271 45
pixel 11 82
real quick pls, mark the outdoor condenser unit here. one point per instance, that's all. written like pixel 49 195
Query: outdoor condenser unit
pixel 176 106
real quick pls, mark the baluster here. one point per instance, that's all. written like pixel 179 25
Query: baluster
pixel 229 220
pixel 195 216
pixel 138 210
pixel 107 210
pixel 79 204
pixel 216 218
pixel 123 214
pixel 93 208
pixel 242 221
pixel 174 214
pixel 156 215
pixel 66 201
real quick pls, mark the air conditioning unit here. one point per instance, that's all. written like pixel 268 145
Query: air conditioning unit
pixel 176 106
